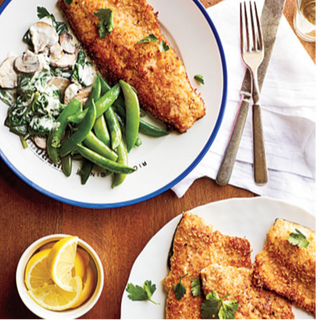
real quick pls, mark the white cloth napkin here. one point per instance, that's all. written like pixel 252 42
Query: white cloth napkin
pixel 288 100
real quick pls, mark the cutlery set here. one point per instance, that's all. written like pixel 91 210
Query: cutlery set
pixel 257 37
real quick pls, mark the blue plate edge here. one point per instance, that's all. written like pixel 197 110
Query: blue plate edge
pixel 176 180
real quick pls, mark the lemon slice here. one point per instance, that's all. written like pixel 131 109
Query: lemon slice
pixel 61 261
pixel 88 286
pixel 36 274
pixel 85 256
pixel 54 298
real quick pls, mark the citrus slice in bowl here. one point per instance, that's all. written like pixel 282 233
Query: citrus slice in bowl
pixel 36 274
pixel 88 286
pixel 61 261
pixel 52 297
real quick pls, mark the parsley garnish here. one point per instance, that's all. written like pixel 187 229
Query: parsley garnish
pixel 298 239
pixel 163 47
pixel 196 287
pixel 214 307
pixel 149 38
pixel 199 78
pixel 106 23
pixel 179 288
pixel 137 293
pixel 68 1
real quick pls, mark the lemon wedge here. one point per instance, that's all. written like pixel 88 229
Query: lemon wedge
pixel 88 286
pixel 36 274
pixel 84 255
pixel 61 261
pixel 52 297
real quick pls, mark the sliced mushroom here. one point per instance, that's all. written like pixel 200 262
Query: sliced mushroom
pixel 41 142
pixel 65 61
pixel 60 83
pixel 71 92
pixel 8 76
pixel 55 52
pixel 82 97
pixel 42 35
pixel 27 63
pixel 67 43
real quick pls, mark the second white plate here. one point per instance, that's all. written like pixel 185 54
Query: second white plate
pixel 249 218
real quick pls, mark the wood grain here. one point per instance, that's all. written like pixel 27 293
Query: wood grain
pixel 118 235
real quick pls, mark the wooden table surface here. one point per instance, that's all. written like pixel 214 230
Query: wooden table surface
pixel 117 235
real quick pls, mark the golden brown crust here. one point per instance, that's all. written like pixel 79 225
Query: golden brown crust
pixel 254 303
pixel 196 245
pixel 287 269
pixel 160 78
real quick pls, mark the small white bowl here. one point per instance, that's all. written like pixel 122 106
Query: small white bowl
pixel 47 314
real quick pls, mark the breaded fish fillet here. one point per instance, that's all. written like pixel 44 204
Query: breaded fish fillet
pixel 196 246
pixel 254 303
pixel 287 269
pixel 160 78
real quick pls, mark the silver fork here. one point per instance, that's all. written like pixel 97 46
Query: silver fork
pixel 252 50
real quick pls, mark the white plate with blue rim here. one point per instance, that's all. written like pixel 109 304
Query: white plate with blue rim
pixel 160 163
pixel 249 218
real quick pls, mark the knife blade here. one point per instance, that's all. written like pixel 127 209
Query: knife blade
pixel 270 20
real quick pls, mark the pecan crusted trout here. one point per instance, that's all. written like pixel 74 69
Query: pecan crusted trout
pixel 195 246
pixel 287 269
pixel 160 78
pixel 253 302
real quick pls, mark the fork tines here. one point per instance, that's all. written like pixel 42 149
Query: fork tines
pixel 254 40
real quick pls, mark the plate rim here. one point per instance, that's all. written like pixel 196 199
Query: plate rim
pixel 179 216
pixel 178 178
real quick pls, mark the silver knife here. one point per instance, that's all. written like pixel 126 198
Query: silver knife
pixel 270 20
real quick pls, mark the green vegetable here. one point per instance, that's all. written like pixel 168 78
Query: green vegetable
pixel 149 38
pixel 298 239
pixel 102 105
pixel 66 165
pixel 60 27
pixel 68 2
pixel 199 78
pixel 122 159
pixel 163 47
pixel 103 162
pixel 85 171
pixel 180 289
pixel 55 135
pixel 114 128
pixel 144 127
pixel 23 142
pixel 196 287
pixel 106 23
pixel 93 143
pixel 214 307
pixel 132 114
pixel 94 94
pixel 6 97
pixel 27 39
pixel 137 293
pixel 82 132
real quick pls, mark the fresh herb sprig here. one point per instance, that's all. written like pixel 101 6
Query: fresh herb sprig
pixel 179 288
pixel 106 24
pixel 196 287
pixel 199 78
pixel 144 293
pixel 298 239
pixel 163 47
pixel 150 38
pixel 218 308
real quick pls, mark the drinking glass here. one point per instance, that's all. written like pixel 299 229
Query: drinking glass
pixel 305 20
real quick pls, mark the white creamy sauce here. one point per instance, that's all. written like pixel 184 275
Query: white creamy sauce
pixel 87 74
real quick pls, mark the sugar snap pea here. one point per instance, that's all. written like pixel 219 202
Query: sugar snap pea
pixel 118 178
pixel 144 127
pixel 66 165
pixel 104 85
pixel 132 105
pixel 102 105
pixel 92 142
pixel 55 135
pixel 114 128
pixel 104 162
pixel 101 130
pixel 83 130
pixel 94 94
pixel 85 171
